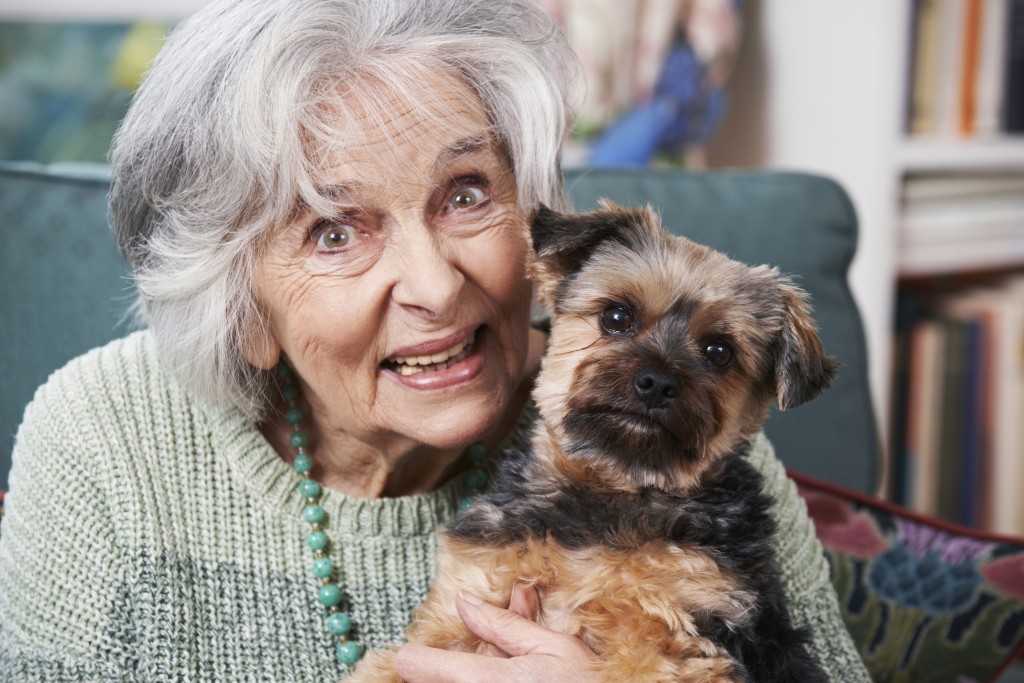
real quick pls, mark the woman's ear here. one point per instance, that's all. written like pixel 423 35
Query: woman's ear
pixel 261 349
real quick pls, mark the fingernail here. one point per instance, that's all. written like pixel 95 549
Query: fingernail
pixel 470 598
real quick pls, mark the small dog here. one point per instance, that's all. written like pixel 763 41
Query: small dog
pixel 635 514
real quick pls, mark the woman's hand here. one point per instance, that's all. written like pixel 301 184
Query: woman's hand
pixel 522 649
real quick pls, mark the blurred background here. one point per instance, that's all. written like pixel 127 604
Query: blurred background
pixel 915 106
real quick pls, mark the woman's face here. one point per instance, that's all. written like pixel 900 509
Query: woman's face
pixel 406 312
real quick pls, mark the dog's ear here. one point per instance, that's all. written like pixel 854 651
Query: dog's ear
pixel 562 242
pixel 802 370
pixel 565 240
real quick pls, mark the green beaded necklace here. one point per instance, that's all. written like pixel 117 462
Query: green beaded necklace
pixel 329 593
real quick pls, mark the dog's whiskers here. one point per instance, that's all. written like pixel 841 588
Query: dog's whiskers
pixel 569 352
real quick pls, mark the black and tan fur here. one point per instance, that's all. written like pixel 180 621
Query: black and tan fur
pixel 635 513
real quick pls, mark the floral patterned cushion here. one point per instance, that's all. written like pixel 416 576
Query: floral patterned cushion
pixel 925 600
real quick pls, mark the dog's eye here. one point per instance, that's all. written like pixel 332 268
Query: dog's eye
pixel 718 353
pixel 616 319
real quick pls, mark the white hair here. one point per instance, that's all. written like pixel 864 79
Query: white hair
pixel 216 148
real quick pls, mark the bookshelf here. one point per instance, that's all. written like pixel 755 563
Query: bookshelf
pixel 957 402
pixel 826 87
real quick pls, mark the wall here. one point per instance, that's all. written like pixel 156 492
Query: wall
pixel 818 88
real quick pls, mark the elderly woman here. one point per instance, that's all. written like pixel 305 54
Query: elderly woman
pixel 324 204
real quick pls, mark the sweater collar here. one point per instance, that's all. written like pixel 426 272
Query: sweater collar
pixel 260 470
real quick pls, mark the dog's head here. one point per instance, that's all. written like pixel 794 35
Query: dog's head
pixel 664 354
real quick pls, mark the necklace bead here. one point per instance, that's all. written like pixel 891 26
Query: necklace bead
pixel 329 595
pixel 322 568
pixel 349 652
pixel 317 540
pixel 309 488
pixel 339 624
pixel 314 514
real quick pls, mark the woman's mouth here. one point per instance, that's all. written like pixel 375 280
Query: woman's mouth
pixel 442 360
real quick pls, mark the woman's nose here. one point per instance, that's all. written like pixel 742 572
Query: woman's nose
pixel 430 280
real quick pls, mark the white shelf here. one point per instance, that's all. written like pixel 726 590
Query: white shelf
pixel 961 154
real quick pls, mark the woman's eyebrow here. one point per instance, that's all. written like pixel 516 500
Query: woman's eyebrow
pixel 334 192
pixel 462 147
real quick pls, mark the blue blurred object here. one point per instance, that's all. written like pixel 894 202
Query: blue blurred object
pixel 683 111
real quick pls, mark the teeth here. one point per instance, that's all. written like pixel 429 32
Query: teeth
pixel 410 365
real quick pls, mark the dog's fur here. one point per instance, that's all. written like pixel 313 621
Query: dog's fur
pixel 635 514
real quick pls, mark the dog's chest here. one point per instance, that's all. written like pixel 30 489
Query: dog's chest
pixel 598 590
pixel 728 520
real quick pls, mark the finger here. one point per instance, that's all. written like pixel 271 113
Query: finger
pixel 509 631
pixel 417 663
pixel 525 601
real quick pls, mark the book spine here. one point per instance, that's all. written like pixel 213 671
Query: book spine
pixel 925 65
pixel 950 66
pixel 991 69
pixel 899 478
pixel 952 422
pixel 970 415
pixel 1013 117
pixel 926 396
pixel 969 69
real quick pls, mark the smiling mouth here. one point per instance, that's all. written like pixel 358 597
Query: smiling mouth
pixel 442 360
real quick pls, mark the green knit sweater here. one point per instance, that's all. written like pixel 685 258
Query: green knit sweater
pixel 150 536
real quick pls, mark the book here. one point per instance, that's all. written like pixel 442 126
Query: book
pixel 924 398
pixel 969 66
pixel 931 186
pixel 971 438
pixel 951 419
pixel 899 442
pixel 1013 102
pixel 924 85
pixel 988 94
pixel 949 66
pixel 911 64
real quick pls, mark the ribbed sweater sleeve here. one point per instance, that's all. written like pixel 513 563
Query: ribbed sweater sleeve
pixel 60 554
pixel 805 574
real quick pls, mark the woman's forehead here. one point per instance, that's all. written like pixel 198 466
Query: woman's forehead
pixel 421 127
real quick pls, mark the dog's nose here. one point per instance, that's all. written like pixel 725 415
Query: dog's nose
pixel 655 387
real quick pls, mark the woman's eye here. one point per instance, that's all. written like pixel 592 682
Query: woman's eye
pixel 337 236
pixel 718 353
pixel 466 198
pixel 616 319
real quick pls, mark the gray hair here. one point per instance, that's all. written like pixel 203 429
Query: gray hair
pixel 216 148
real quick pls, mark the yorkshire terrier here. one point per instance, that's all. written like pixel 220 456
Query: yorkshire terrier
pixel 635 513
